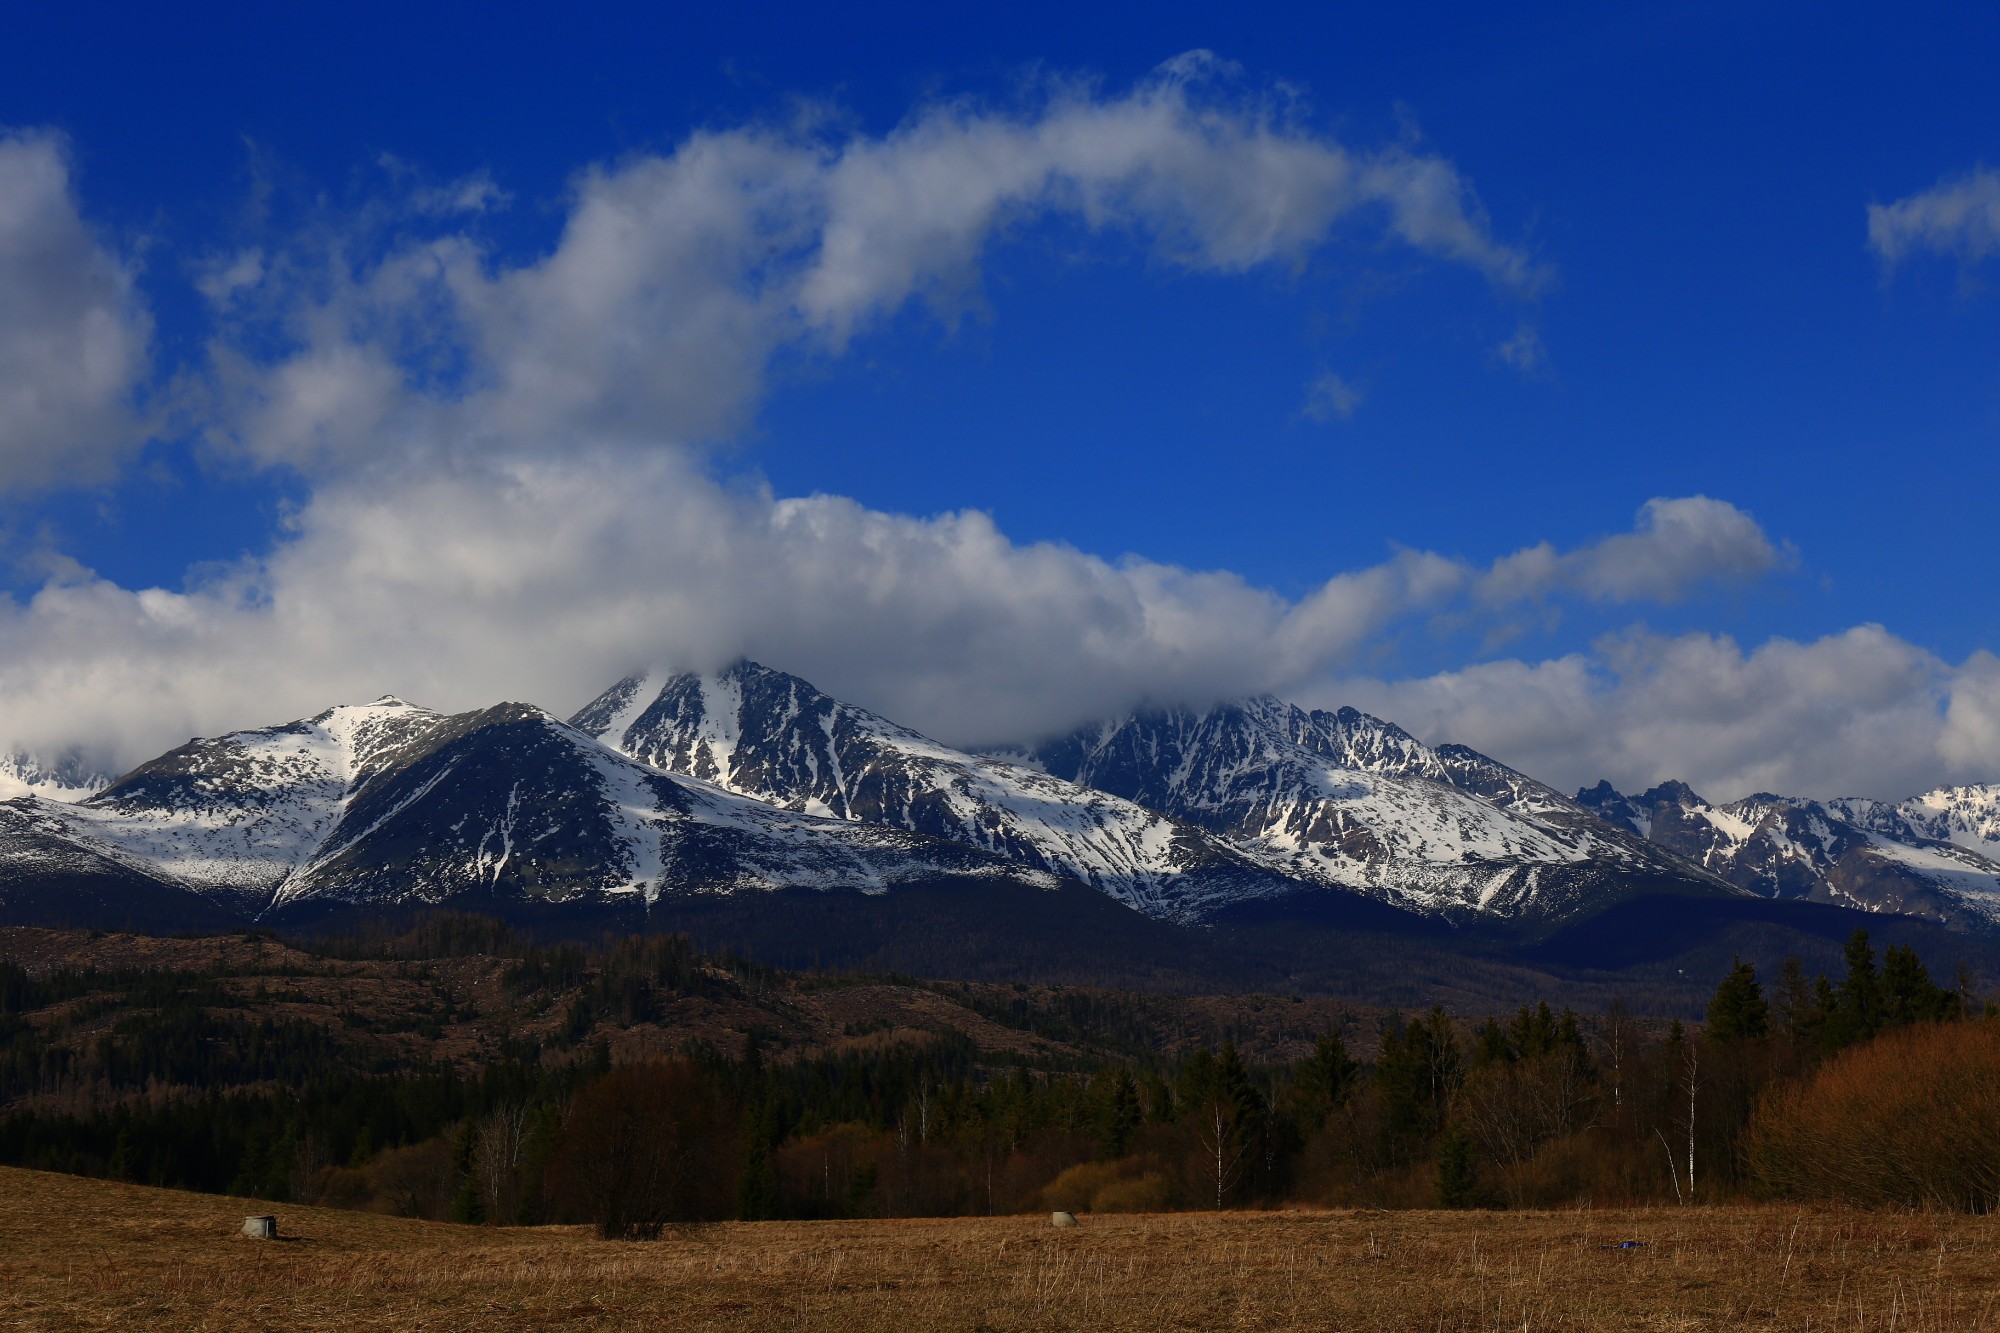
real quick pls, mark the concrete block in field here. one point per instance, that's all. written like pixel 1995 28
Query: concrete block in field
pixel 261 1228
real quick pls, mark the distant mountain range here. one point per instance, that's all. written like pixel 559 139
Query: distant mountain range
pixel 748 785
pixel 391 805
pixel 1935 856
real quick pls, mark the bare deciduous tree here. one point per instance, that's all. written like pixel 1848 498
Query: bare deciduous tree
pixel 1219 1132
pixel 1617 1036
pixel 502 1135
pixel 1690 1075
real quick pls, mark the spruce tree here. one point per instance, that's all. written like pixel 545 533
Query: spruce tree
pixel 1569 1039
pixel 1326 1080
pixel 1197 1079
pixel 1418 1067
pixel 1232 1082
pixel 1444 1063
pixel 1857 1011
pixel 1738 1011
pixel 1908 993
pixel 1796 1010
pixel 1533 1032
pixel 1118 1113
pixel 757 1191
pixel 1399 1083
pixel 1158 1098
pixel 1826 1002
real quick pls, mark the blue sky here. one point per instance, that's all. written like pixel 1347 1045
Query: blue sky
pixel 1693 308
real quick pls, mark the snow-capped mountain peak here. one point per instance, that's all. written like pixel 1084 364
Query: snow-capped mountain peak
pixel 749 778
pixel 236 814
pixel 505 807
pixel 1929 856
pixel 1360 803
pixel 775 738
pixel 1968 816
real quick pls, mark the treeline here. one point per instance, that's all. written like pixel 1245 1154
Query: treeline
pixel 391 1142
pixel 1535 1108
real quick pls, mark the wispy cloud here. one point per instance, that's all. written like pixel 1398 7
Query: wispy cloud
pixel 420 194
pixel 678 277
pixel 1959 216
pixel 1524 350
pixel 1330 397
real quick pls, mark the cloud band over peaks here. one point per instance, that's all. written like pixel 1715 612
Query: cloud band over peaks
pixel 420 584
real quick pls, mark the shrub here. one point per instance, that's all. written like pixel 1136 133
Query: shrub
pixel 1147 1193
pixel 1123 1186
pixel 1911 1119
pixel 417 1181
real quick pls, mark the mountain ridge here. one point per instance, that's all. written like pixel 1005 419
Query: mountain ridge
pixel 673 790
pixel 774 737
pixel 1933 855
pixel 1361 803
pixel 389 804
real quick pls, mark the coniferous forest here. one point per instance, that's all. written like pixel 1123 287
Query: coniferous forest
pixel 458 1071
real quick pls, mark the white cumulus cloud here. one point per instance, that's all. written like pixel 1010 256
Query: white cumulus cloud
pixel 1676 546
pixel 1861 712
pixel 509 498
pixel 547 578
pixel 73 333
pixel 679 276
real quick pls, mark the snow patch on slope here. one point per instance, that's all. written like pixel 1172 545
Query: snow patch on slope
pixel 636 818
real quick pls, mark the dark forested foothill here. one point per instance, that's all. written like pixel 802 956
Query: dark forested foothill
pixel 456 1071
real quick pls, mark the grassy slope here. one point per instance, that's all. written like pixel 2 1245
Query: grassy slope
pixel 80 1254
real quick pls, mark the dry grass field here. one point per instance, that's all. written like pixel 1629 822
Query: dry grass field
pixel 78 1254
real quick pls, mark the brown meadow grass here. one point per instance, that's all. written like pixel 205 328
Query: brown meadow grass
pixel 81 1254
